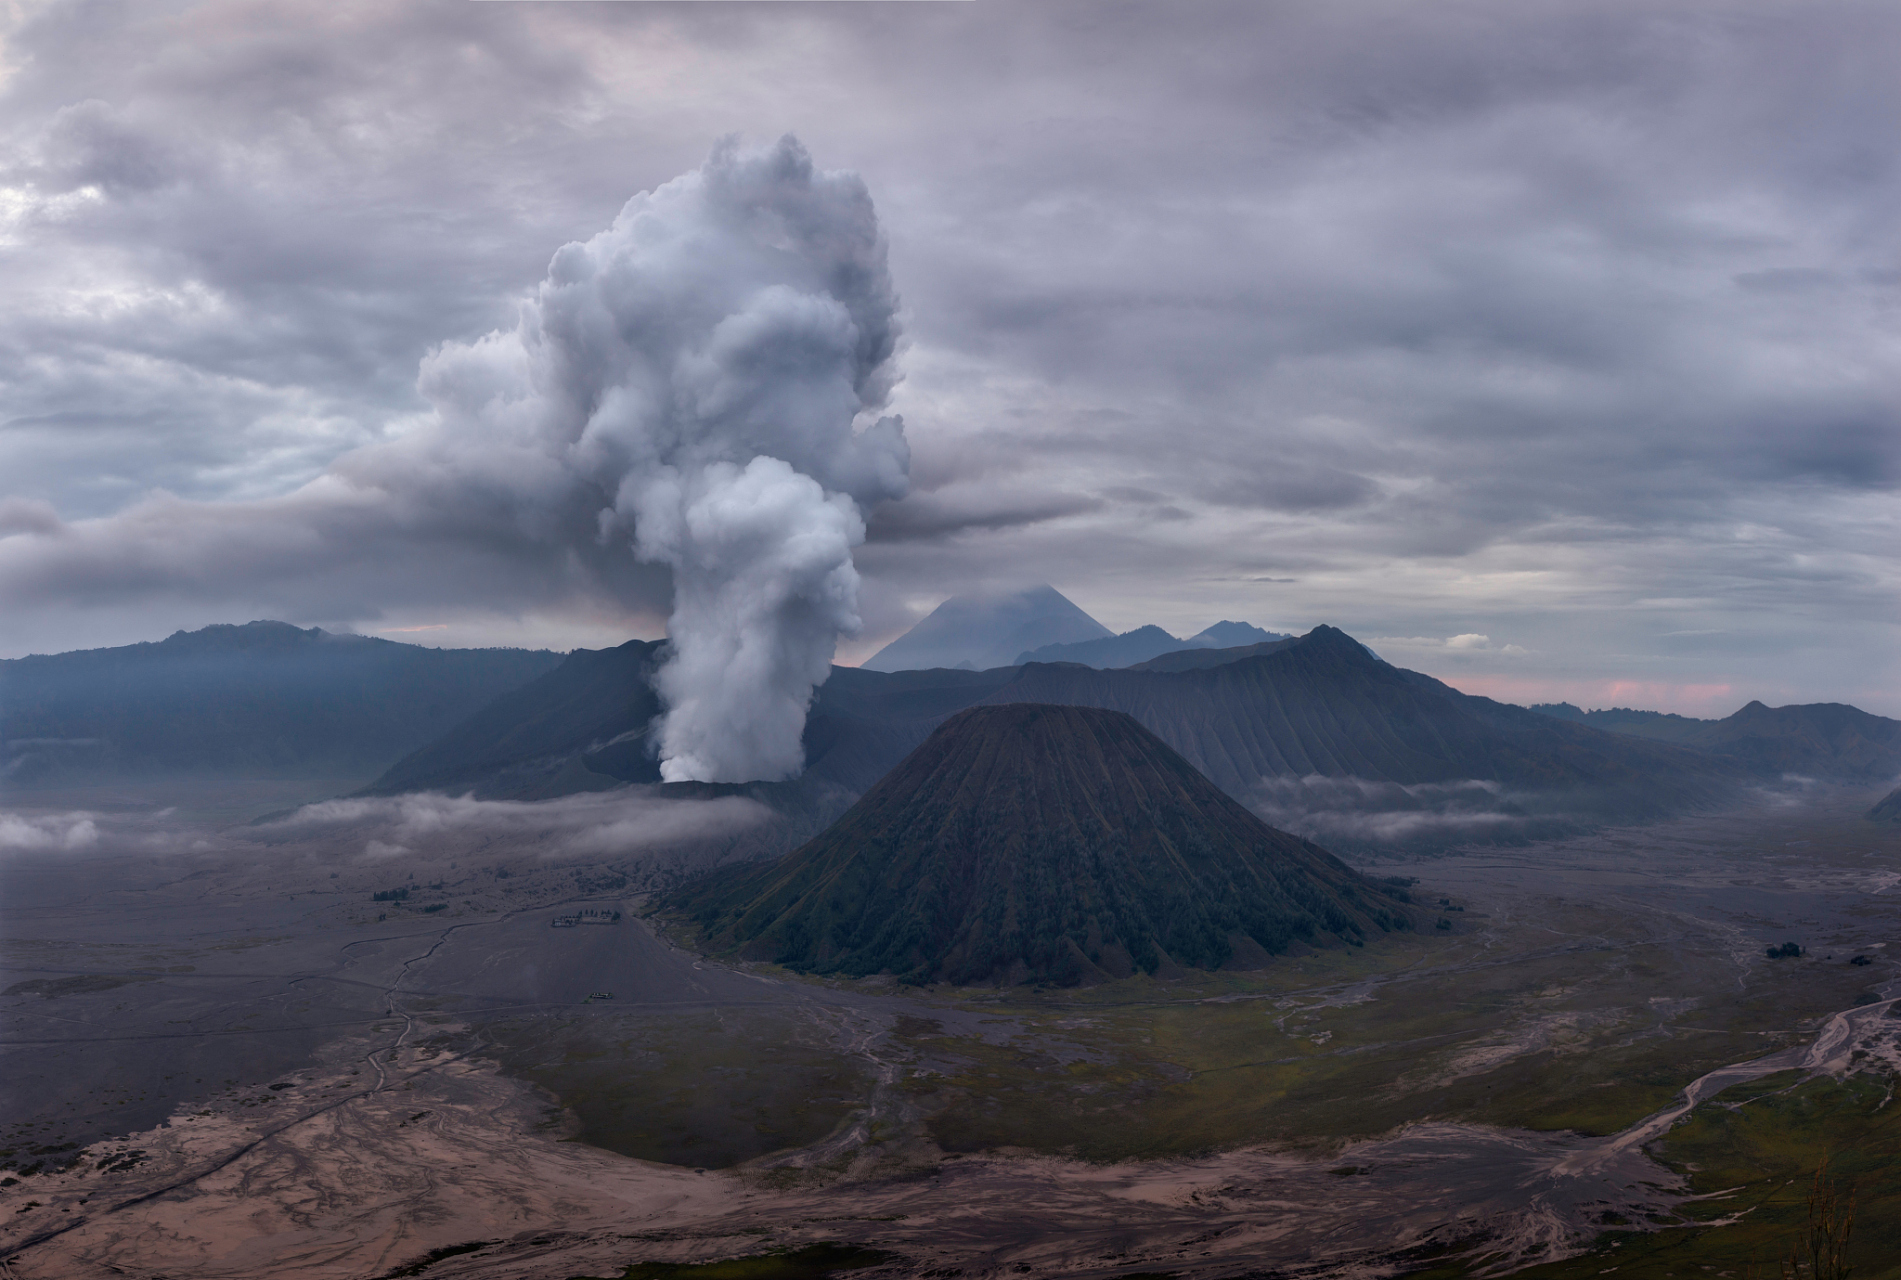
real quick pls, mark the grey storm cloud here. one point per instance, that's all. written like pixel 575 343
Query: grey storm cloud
pixel 686 382
pixel 1569 325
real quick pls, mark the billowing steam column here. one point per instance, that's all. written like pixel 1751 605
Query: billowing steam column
pixel 711 366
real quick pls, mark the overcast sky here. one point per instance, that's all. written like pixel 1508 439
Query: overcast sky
pixel 1550 348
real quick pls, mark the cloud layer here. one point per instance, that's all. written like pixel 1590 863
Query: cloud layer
pixel 429 825
pixel 1570 327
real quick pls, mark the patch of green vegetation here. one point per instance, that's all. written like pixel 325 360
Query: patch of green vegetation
pixel 1757 1163
pixel 814 1262
pixel 1492 1027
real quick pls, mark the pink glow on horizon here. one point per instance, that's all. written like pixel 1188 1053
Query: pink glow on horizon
pixel 1702 701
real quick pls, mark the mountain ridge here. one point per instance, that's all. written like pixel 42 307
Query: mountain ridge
pixel 259 699
pixel 1832 737
pixel 1145 643
pixel 1265 722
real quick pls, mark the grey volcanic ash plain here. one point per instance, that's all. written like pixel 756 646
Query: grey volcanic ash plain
pixel 357 1038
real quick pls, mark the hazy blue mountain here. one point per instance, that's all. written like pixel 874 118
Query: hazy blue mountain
pixel 1124 650
pixel 978 632
pixel 1820 739
pixel 1663 725
pixel 1038 843
pixel 1231 635
pixel 261 700
pixel 1144 643
pixel 1202 659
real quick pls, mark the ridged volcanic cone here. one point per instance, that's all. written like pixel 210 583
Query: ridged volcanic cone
pixel 1029 842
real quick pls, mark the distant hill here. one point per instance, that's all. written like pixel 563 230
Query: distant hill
pixel 977 632
pixel 1229 635
pixel 1124 650
pixel 1144 643
pixel 1662 725
pixel 1889 808
pixel 1028 843
pixel 261 700
pixel 1820 739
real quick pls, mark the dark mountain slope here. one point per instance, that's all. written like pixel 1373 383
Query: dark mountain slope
pixel 1888 809
pixel 262 700
pixel 1202 659
pixel 585 725
pixel 1323 705
pixel 864 722
pixel 588 716
pixel 1037 843
pixel 1146 643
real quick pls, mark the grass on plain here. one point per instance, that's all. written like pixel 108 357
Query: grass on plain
pixel 1348 1044
pixel 1755 1153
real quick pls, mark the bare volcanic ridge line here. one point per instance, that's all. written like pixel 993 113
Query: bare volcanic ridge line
pixel 1038 843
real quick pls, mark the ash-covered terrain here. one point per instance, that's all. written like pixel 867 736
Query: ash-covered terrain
pixel 418 1035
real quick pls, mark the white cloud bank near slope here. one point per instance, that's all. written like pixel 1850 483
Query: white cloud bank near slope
pixel 598 824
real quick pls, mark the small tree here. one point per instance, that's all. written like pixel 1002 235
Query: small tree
pixel 1830 1221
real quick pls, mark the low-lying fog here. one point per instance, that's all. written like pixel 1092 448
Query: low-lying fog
pixel 1378 819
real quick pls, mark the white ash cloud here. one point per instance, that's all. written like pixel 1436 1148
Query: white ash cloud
pixel 706 363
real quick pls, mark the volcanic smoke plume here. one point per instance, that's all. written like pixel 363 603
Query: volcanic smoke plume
pixel 712 365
